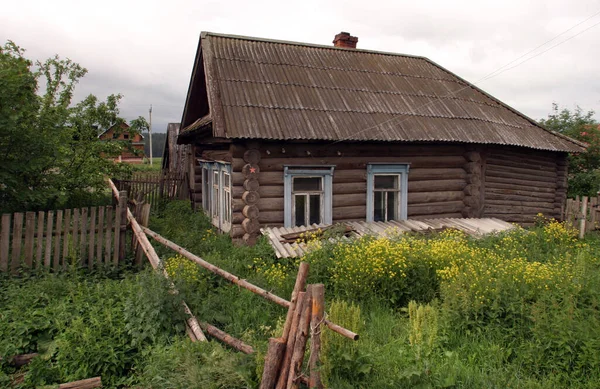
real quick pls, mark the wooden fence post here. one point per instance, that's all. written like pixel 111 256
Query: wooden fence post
pixel 144 218
pixel 122 224
pixel 16 242
pixel 302 334
pixel 4 241
pixel 318 312
pixel 583 217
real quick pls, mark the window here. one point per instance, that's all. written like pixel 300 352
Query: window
pixel 125 136
pixel 387 192
pixel 307 195
pixel 216 193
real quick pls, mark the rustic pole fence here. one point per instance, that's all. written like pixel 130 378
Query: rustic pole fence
pixel 194 326
pixel 239 281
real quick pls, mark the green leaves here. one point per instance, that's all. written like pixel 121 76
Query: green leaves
pixel 50 153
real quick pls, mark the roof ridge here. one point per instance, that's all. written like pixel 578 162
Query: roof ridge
pixel 204 34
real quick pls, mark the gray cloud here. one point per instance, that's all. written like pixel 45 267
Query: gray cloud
pixel 145 50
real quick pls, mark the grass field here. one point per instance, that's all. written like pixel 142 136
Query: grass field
pixel 446 311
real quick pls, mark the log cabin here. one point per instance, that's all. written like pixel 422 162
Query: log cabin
pixel 289 134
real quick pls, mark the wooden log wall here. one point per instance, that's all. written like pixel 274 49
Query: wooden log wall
pixel 436 181
pixel 474 168
pixel 520 183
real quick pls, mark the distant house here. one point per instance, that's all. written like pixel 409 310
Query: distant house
pixel 290 134
pixel 136 139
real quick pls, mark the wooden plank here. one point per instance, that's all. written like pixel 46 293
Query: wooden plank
pixel 122 224
pixel 48 253
pixel 16 242
pixel 66 238
pixel 83 237
pixel 108 235
pixel 100 235
pixel 4 242
pixel 40 240
pixel 117 233
pixel 75 233
pixel 57 239
pixel 29 239
pixel 92 240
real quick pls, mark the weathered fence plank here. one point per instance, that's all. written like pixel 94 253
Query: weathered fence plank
pixel 75 234
pixel 67 239
pixel 92 240
pixel 57 240
pixel 109 224
pixel 4 241
pixel 16 243
pixel 29 238
pixel 48 239
pixel 40 240
pixel 100 235
pixel 83 237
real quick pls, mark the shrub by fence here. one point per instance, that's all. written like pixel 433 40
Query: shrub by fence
pixel 56 239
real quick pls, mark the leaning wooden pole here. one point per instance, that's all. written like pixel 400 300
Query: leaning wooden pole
pixel 89 383
pixel 317 313
pixel 293 380
pixel 272 363
pixel 144 243
pixel 299 286
pixel 289 347
pixel 239 281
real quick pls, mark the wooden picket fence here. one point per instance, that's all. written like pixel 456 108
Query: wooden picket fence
pixel 57 239
pixel 583 213
pixel 154 187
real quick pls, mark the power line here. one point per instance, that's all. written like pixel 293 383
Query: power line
pixel 487 77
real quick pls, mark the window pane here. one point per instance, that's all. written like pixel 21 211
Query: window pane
pixel 302 184
pixel 315 209
pixel 386 182
pixel 300 209
pixel 227 199
pixel 226 180
pixel 379 211
pixel 392 205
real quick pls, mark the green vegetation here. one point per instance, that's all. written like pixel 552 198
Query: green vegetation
pixel 50 153
pixel 146 167
pixel 584 168
pixel 519 309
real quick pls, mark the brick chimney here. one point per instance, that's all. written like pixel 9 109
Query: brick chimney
pixel 344 39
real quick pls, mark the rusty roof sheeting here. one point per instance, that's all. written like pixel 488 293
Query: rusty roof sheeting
pixel 284 90
pixel 472 227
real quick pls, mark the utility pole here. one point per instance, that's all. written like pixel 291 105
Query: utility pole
pixel 150 132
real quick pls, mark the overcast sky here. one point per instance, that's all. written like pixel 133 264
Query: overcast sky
pixel 145 50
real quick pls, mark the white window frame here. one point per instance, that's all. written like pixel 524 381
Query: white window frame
pixel 400 170
pixel 216 197
pixel 323 172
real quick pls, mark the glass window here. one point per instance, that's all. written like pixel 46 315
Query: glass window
pixel 386 197
pixel 387 192
pixel 226 199
pixel 307 195
pixel 215 194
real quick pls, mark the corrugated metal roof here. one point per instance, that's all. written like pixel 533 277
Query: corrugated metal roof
pixel 279 90
pixel 472 227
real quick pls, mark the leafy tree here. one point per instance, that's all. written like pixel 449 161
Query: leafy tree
pixel 584 168
pixel 50 153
